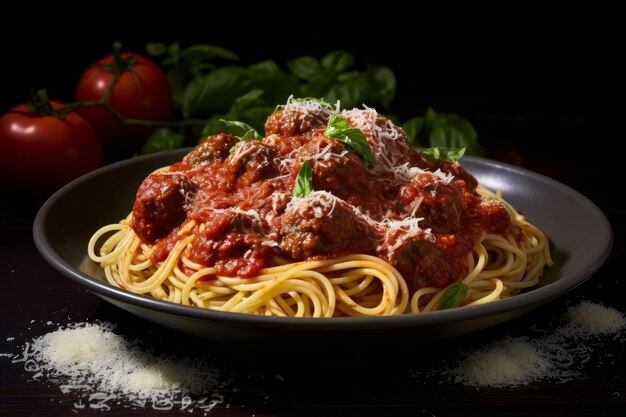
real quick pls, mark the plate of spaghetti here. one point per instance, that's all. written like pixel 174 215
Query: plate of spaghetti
pixel 329 222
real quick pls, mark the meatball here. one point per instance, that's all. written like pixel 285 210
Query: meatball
pixel 317 225
pixel 160 205
pixel 389 142
pixel 251 161
pixel 415 257
pixel 214 148
pixel 336 169
pixel 421 260
pixel 292 121
pixel 440 203
pixel 454 168
pixel 285 146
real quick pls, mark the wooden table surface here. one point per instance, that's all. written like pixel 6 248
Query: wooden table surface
pixel 33 294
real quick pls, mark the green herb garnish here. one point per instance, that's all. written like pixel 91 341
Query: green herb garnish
pixel 242 130
pixel 339 129
pixel 438 154
pixel 443 130
pixel 454 296
pixel 304 181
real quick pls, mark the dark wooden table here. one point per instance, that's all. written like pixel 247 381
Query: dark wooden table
pixel 33 294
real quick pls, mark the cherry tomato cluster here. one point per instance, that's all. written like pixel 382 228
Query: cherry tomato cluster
pixel 45 144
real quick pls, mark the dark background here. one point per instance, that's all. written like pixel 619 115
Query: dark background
pixel 522 61
pixel 554 72
pixel 543 89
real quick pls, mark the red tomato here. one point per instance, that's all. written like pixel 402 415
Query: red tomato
pixel 41 153
pixel 145 95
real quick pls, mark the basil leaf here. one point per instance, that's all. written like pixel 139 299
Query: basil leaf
pixel 316 88
pixel 347 76
pixel 277 84
pixel 305 67
pixel 174 51
pixel 453 297
pixel 264 69
pixel 382 85
pixel 351 93
pixel 178 77
pixel 339 129
pixel 215 92
pixel 162 139
pixel 452 131
pixel 438 154
pixel 304 181
pixel 249 109
pixel 156 48
pixel 338 61
pixel 443 130
pixel 250 135
pixel 242 130
pixel 257 116
pixel 430 117
pixel 249 99
pixel 413 127
pixel 204 52
pixel 200 69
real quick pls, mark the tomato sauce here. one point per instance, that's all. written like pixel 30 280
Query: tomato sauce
pixel 239 196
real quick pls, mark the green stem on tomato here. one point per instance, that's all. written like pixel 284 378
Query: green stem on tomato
pixel 118 67
pixel 139 122
pixel 118 61
pixel 40 104
pixel 109 90
pixel 152 123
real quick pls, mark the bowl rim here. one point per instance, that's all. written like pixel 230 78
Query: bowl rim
pixel 528 299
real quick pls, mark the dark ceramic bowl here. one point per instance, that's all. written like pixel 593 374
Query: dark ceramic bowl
pixel 580 235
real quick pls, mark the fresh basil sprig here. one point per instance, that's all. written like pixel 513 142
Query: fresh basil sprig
pixel 163 139
pixel 304 181
pixel 454 296
pixel 250 135
pixel 250 108
pixel 334 78
pixel 438 154
pixel 339 129
pixel 242 130
pixel 443 130
pixel 207 83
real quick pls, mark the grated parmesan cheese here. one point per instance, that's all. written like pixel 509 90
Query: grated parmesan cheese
pixel 311 106
pixel 594 319
pixel 513 362
pixel 101 368
pixel 380 133
pixel 389 230
pixel 556 356
pixel 317 199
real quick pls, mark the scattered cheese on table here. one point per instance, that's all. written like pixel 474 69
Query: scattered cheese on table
pixel 594 319
pixel 554 356
pixel 514 362
pixel 103 369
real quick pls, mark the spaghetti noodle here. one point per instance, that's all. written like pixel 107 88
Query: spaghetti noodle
pixel 219 236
